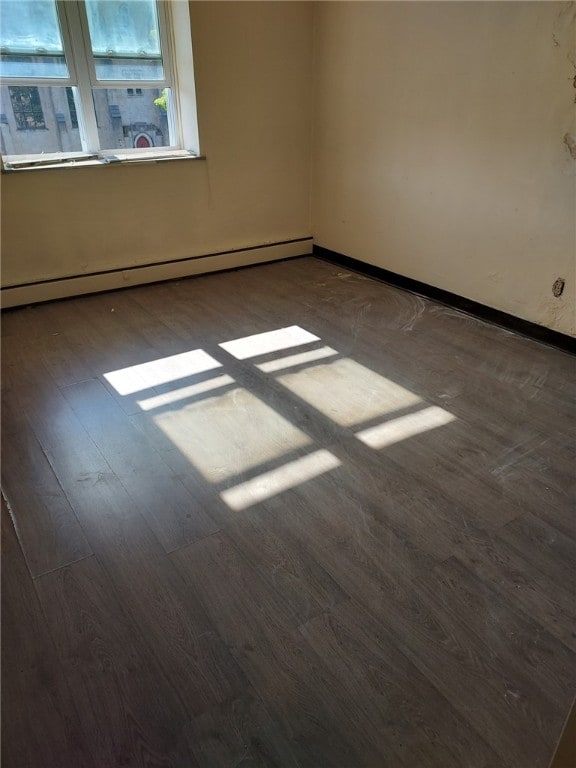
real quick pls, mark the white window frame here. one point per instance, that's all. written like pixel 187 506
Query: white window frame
pixel 178 64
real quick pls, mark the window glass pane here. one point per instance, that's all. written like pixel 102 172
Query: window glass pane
pixel 128 69
pixel 125 39
pixel 136 119
pixel 30 39
pixel 32 66
pixel 38 120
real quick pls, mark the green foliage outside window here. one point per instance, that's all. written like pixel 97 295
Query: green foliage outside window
pixel 162 101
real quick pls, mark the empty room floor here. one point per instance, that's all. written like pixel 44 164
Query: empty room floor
pixel 284 516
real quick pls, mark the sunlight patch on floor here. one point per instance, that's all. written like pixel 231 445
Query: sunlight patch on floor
pixel 271 341
pixel 224 435
pixel 348 392
pixel 403 427
pixel 135 378
pixel 271 483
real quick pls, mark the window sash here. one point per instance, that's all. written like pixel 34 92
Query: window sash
pixel 162 56
pixel 70 62
pixel 88 62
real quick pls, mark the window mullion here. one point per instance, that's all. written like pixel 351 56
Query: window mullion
pixel 81 61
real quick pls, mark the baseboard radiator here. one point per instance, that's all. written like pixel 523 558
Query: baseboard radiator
pixel 108 280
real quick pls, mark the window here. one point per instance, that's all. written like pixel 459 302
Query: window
pixel 27 108
pixel 74 70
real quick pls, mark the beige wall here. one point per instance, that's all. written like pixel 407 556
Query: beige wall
pixel 253 77
pixel 438 146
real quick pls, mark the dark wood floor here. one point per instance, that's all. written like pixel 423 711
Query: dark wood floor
pixel 346 545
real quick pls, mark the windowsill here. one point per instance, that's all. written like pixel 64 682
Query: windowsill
pixel 57 161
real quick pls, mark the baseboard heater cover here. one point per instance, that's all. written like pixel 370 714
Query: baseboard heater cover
pixel 495 316
pixel 65 287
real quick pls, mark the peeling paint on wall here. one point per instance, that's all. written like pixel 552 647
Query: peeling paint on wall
pixel 570 141
pixel 563 31
pixel 555 314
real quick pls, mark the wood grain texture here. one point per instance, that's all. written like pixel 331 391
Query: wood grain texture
pixel 40 722
pixel 130 714
pixel 523 585
pixel 259 628
pixel 548 549
pixel 241 732
pixel 356 551
pixel 48 529
pixel 304 586
pixel 409 717
pixel 175 625
pixel 169 508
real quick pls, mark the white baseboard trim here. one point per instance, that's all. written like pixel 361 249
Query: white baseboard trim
pixel 31 293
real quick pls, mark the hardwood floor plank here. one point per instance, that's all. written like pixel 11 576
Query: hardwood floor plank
pixel 173 514
pixel 155 333
pixel 414 723
pixel 189 322
pixel 27 322
pixel 549 550
pixel 72 453
pixel 469 394
pixel 322 519
pixel 419 511
pixel 530 653
pixel 26 380
pixel 552 606
pixel 85 349
pixel 173 621
pixel 47 528
pixel 257 627
pixel 130 712
pixel 241 732
pixel 304 587
pixel 93 321
pixel 118 532
pixel 40 723
pixel 66 360
pixel 518 477
pixel 549 368
pixel 445 652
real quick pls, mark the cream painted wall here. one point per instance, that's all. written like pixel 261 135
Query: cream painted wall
pixel 438 146
pixel 253 77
